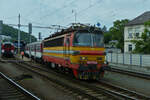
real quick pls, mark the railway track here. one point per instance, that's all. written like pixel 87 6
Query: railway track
pixel 131 73
pixel 99 91
pixel 9 90
pixel 122 92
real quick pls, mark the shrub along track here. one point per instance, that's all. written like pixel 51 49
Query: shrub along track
pixel 97 91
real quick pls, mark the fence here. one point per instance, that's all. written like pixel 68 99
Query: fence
pixel 129 59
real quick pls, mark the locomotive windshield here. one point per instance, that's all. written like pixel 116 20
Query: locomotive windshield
pixel 7 46
pixel 88 39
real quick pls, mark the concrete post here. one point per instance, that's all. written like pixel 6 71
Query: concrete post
pixel 19 34
pixel 30 32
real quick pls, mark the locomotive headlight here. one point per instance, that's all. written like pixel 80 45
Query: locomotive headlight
pixel 2 51
pixel 12 51
pixel 83 58
pixel 106 62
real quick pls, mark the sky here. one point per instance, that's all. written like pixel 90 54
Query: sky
pixel 62 12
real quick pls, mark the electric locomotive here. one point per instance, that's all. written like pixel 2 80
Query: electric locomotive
pixel 8 49
pixel 79 49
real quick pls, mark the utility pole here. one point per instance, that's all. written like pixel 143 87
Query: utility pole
pixel 1 27
pixel 30 32
pixel 75 15
pixel 40 36
pixel 19 34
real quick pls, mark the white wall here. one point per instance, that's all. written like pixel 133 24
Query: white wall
pixel 127 40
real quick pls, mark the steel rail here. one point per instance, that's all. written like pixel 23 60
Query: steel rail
pixel 110 92
pixel 115 94
pixel 19 87
pixel 124 89
pixel 131 73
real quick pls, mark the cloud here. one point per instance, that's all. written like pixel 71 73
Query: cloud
pixel 50 12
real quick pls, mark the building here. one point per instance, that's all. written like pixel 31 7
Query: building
pixel 133 31
pixel 111 47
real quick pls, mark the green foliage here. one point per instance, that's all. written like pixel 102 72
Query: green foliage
pixel 13 32
pixel 143 45
pixel 107 37
pixel 117 32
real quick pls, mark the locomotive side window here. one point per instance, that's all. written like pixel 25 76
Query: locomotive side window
pixel 54 43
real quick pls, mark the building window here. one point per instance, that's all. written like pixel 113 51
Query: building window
pixel 130 33
pixel 137 35
pixel 130 47
pixel 137 32
pixel 148 33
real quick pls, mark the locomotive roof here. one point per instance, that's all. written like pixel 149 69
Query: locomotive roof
pixel 8 43
pixel 81 28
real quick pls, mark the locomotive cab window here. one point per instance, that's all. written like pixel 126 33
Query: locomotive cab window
pixel 88 39
pixel 7 46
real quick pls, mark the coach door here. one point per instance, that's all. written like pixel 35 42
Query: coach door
pixel 67 47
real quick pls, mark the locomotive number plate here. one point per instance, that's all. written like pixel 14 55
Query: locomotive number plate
pixel 91 62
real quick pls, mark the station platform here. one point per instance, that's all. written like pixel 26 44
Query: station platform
pixel 24 58
pixel 132 68
pixel 18 58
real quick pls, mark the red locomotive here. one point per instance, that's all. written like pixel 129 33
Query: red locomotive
pixel 8 49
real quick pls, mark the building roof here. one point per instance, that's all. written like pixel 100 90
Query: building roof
pixel 139 20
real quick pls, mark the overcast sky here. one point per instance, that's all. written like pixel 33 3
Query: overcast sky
pixel 61 12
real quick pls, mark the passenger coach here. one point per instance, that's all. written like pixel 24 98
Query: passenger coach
pixel 79 49
pixel 34 50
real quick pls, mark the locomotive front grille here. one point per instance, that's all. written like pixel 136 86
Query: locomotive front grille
pixel 88 67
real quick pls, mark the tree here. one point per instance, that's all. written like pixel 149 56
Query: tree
pixel 117 32
pixel 143 45
pixel 13 32
pixel 107 37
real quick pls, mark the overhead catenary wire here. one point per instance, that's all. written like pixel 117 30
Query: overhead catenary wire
pixel 31 21
pixel 44 27
pixel 59 9
pixel 79 12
